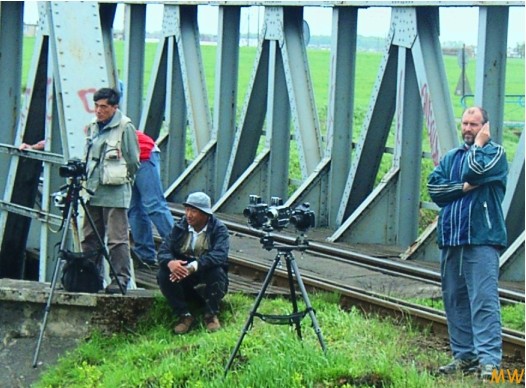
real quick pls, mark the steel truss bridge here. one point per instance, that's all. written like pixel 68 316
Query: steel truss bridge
pixel 244 150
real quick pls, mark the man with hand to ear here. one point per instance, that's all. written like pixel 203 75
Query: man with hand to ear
pixel 195 252
pixel 469 185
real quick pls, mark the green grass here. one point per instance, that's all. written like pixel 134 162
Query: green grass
pixel 361 351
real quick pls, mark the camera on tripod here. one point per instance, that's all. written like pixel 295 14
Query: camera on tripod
pixel 277 216
pixel 256 212
pixel 302 217
pixel 75 168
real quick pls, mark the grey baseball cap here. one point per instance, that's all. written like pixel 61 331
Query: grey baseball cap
pixel 200 201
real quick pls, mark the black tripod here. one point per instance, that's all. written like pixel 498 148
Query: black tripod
pixel 70 212
pixel 296 316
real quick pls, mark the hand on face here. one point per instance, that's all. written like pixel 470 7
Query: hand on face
pixel 483 135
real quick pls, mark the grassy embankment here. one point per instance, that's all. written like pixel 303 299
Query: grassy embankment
pixel 361 351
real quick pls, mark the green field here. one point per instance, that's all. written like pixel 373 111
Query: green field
pixel 367 65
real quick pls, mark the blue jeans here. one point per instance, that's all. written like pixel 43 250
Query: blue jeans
pixel 470 277
pixel 148 205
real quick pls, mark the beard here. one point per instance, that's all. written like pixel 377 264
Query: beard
pixel 469 139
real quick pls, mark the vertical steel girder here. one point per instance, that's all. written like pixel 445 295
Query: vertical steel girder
pixel 133 74
pixel 278 127
pixel 188 46
pixel 74 92
pixel 341 105
pixel 303 109
pixel 11 36
pixel 225 108
pixel 407 152
pixel 231 161
pixel 107 17
pixel 513 203
pixel 491 65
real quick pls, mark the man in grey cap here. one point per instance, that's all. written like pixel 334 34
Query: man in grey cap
pixel 196 252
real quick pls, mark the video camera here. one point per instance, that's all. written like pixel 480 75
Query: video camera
pixel 256 212
pixel 73 169
pixel 277 216
pixel 302 217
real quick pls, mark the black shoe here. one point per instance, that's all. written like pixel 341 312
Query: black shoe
pixel 458 365
pixel 113 288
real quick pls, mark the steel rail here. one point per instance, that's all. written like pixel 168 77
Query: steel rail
pixel 347 255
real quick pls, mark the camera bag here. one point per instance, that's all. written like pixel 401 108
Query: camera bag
pixel 80 273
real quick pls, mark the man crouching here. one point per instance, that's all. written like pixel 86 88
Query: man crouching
pixel 196 252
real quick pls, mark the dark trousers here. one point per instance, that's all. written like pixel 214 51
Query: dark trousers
pixel 110 222
pixel 180 294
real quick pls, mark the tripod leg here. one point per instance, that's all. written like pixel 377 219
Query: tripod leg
pixel 297 319
pixel 307 303
pixel 53 284
pixel 250 319
pixel 105 251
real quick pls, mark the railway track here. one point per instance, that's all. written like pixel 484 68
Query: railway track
pixel 247 275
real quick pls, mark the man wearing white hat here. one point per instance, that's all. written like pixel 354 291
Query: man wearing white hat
pixel 196 252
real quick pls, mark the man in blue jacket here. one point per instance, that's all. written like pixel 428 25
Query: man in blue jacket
pixel 469 186
pixel 196 252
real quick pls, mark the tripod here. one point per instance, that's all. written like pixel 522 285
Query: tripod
pixel 284 252
pixel 70 211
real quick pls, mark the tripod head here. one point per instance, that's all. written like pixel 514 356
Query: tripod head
pixel 267 241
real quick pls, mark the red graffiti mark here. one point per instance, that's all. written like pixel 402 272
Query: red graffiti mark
pixel 86 95
pixel 429 117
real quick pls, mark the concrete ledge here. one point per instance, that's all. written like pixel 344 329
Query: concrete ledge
pixel 22 305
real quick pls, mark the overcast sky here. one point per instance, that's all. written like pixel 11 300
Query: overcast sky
pixel 456 23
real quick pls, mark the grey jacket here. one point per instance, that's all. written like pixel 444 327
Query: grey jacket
pixel 118 196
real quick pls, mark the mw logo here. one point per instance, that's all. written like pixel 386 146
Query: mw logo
pixel 507 375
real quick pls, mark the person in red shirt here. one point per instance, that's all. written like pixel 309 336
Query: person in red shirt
pixel 148 204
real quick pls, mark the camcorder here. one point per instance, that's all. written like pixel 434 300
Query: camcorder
pixel 75 168
pixel 302 217
pixel 278 216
